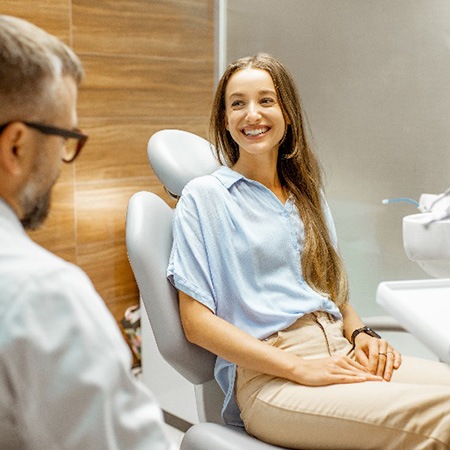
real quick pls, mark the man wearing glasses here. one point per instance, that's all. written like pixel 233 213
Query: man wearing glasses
pixel 65 377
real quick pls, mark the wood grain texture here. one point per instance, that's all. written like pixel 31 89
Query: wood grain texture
pixel 51 15
pixel 57 234
pixel 181 29
pixel 140 87
pixel 101 209
pixel 107 266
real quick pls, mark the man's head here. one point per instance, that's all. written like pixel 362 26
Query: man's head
pixel 39 78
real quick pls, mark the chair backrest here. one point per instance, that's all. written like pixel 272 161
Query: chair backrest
pixel 178 156
pixel 149 242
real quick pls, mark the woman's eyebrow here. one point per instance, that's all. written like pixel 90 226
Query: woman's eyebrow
pixel 267 91
pixel 262 92
pixel 236 94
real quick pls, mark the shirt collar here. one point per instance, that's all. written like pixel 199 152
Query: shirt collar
pixel 9 218
pixel 227 176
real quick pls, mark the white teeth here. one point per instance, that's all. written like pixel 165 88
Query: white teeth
pixel 256 131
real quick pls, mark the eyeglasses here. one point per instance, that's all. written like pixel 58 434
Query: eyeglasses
pixel 74 139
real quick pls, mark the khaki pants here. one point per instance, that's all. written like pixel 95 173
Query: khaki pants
pixel 412 411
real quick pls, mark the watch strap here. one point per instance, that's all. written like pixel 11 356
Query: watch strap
pixel 366 330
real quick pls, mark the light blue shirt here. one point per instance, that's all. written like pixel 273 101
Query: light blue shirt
pixel 237 250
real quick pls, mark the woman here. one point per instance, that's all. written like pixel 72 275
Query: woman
pixel 262 286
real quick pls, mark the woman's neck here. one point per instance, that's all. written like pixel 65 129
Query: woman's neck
pixel 264 172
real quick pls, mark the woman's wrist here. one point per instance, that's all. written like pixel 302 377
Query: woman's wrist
pixel 363 330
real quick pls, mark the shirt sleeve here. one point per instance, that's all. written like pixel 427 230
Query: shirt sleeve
pixel 68 370
pixel 189 267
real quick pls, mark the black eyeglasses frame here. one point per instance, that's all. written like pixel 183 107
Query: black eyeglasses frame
pixel 56 131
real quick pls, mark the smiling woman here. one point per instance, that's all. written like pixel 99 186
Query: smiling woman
pixel 256 123
pixel 262 286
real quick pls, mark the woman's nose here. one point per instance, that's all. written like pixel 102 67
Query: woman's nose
pixel 253 113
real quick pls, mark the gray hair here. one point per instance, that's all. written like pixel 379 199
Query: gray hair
pixel 31 61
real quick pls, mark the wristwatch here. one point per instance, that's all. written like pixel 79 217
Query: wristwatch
pixel 366 330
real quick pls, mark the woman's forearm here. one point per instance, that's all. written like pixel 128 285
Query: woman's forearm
pixel 203 328
pixel 351 319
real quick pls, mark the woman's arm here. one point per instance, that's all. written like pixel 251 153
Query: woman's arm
pixel 376 354
pixel 202 327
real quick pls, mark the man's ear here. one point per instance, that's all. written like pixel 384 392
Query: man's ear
pixel 12 141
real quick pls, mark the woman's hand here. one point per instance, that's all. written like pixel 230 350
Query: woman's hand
pixel 333 370
pixel 377 355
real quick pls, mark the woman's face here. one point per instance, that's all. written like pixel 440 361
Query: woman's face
pixel 253 115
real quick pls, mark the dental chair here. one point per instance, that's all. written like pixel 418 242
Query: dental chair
pixel 176 157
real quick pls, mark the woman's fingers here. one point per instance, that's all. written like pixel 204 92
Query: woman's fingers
pixel 347 370
pixel 383 359
pixel 397 359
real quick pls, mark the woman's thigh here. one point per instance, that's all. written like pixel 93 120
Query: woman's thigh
pixel 422 371
pixel 410 412
pixel 370 415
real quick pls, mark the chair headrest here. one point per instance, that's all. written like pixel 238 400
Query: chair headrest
pixel 178 156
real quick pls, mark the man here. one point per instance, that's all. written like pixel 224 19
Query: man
pixel 64 368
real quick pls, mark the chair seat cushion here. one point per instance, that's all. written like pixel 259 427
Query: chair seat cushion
pixel 207 436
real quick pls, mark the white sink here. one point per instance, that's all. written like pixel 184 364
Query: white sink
pixel 422 307
pixel 428 245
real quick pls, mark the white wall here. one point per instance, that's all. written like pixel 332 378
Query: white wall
pixel 374 76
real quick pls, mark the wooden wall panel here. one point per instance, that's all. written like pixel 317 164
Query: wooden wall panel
pixel 149 66
pixel 176 29
pixel 115 279
pixel 51 15
pixel 129 86
pixel 58 232
pixel 101 208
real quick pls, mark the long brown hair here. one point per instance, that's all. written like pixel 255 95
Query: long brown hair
pixel 299 172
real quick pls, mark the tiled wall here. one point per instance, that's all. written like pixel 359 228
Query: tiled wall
pixel 149 65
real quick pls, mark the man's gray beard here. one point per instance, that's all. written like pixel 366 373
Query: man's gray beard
pixel 35 210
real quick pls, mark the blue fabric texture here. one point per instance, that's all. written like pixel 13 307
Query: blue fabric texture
pixel 237 250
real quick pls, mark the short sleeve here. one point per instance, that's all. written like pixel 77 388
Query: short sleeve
pixel 189 265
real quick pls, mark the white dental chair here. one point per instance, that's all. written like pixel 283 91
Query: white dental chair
pixel 176 157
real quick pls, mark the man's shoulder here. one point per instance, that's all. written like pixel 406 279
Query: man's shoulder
pixel 27 266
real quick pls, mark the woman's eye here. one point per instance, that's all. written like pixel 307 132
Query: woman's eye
pixel 236 103
pixel 267 101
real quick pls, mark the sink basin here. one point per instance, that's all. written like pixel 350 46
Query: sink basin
pixel 428 245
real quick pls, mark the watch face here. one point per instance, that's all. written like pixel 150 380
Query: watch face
pixel 366 330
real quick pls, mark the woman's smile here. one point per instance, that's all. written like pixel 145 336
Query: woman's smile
pixel 255 132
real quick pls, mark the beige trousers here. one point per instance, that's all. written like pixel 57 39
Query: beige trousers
pixel 412 411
